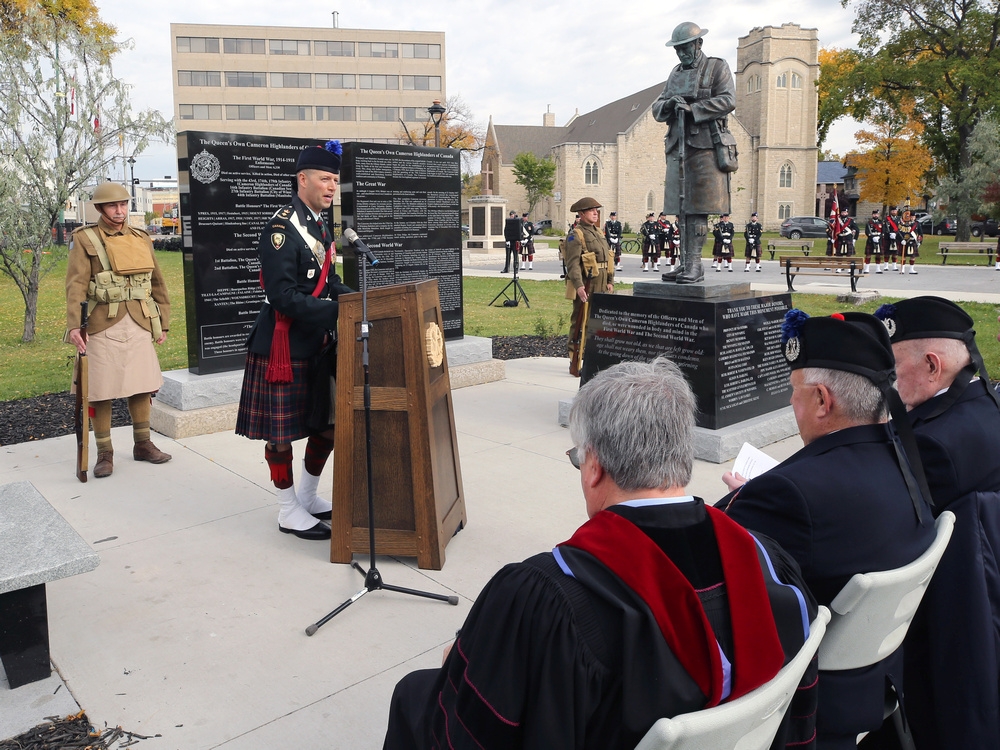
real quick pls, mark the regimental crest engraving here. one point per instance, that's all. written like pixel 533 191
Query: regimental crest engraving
pixel 204 167
pixel 434 341
pixel 793 348
pixel 890 326
pixel 277 240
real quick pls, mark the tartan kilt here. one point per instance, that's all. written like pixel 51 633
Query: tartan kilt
pixel 275 412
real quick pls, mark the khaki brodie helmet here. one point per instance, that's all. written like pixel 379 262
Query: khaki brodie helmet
pixel 110 192
pixel 583 204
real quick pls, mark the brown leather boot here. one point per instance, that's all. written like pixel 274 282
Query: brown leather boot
pixel 105 464
pixel 146 451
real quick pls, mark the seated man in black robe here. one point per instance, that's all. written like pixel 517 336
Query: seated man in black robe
pixel 655 607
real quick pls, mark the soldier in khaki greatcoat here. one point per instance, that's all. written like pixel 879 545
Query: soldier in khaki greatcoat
pixel 589 270
pixel 113 267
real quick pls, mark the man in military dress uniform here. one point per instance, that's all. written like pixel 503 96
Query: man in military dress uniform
pixel 298 317
pixel 699 94
pixel 751 233
pixel 649 231
pixel 912 238
pixel 874 234
pixel 952 650
pixel 613 234
pixel 848 233
pixel 589 270
pixel 113 267
pixel 527 242
pixel 722 252
pixel 893 237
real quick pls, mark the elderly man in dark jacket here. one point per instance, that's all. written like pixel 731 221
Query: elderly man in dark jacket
pixel 952 676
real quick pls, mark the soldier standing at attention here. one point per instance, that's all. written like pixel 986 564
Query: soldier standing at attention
pixel 723 250
pixel 613 234
pixel 699 95
pixel 874 232
pixel 893 237
pixel 512 237
pixel 298 317
pixel 589 270
pixel 751 233
pixel 112 266
pixel 649 231
pixel 527 241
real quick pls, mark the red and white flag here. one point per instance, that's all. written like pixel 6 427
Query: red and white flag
pixel 835 214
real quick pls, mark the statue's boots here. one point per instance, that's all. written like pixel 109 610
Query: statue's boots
pixel 693 271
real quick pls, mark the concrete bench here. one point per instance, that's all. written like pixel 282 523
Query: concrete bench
pixel 801 246
pixel 37 545
pixel 822 265
pixel 967 248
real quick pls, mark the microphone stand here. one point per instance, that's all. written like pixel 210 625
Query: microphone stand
pixel 373 579
pixel 518 289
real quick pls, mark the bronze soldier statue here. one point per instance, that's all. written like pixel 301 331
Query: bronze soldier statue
pixel 700 150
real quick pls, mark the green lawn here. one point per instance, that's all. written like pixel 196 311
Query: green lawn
pixel 45 366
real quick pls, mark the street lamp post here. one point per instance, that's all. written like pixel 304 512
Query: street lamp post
pixel 437 112
pixel 131 164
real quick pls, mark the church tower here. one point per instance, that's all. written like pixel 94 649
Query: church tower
pixel 776 101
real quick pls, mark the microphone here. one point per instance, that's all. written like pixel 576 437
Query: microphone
pixel 359 247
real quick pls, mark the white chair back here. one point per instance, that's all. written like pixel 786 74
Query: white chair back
pixel 873 611
pixel 747 723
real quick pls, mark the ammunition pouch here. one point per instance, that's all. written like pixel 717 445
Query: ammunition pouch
pixel 590 265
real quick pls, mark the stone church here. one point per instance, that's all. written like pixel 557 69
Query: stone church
pixel 615 153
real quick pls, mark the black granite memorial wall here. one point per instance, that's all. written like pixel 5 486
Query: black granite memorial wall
pixel 728 348
pixel 230 185
pixel 405 204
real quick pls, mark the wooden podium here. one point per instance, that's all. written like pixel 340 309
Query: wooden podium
pixel 417 477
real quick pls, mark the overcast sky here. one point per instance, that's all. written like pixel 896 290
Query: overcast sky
pixel 508 59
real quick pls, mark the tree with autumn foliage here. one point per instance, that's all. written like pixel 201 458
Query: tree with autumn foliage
pixel 64 117
pixel 892 162
pixel 459 130
pixel 834 88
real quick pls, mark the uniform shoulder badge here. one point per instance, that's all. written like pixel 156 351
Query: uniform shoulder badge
pixel 277 240
pixel 286 212
pixel 570 237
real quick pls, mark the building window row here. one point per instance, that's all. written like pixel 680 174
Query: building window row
pixel 591 173
pixel 242 46
pixel 784 211
pixel 294 112
pixel 238 79
pixel 782 81
pixel 753 84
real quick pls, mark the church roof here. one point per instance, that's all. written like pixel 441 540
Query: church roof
pixel 516 139
pixel 601 125
pixel 830 173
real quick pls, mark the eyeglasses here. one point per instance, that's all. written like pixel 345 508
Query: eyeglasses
pixel 573 454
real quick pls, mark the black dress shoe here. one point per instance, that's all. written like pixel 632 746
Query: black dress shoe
pixel 506 270
pixel 319 531
pixel 325 515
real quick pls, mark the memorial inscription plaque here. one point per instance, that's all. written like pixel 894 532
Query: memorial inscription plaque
pixel 230 185
pixel 404 203
pixel 729 349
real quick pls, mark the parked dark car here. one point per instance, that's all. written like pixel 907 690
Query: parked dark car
pixel 943 226
pixel 803 226
pixel 542 224
pixel 988 227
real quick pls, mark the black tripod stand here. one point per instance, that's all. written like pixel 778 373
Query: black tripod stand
pixel 373 579
pixel 518 291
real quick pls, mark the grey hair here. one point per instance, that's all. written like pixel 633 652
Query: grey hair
pixel 954 352
pixel 638 418
pixel 858 398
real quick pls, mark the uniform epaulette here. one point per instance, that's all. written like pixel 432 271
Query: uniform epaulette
pixel 285 212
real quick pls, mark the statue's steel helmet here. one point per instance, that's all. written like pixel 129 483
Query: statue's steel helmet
pixel 686 32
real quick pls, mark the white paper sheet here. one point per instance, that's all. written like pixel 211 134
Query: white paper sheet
pixel 752 462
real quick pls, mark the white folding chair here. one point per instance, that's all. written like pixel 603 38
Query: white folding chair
pixel 872 613
pixel 747 723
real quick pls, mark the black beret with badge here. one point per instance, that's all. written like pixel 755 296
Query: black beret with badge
pixel 325 158
pixel 925 318
pixel 853 342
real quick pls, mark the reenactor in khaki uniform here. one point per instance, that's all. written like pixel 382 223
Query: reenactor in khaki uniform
pixel 589 270
pixel 113 267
